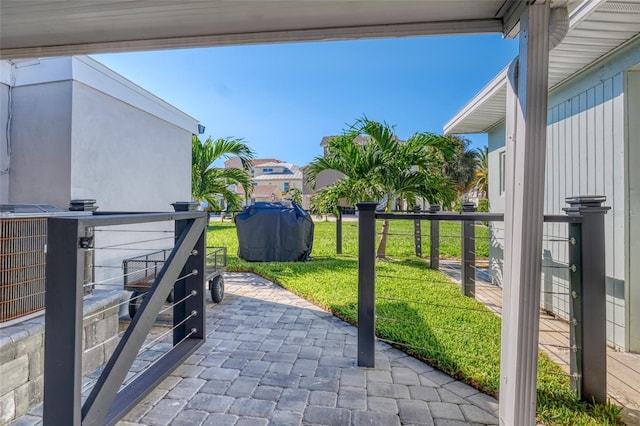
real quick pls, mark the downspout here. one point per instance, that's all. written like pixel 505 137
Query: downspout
pixel 5 157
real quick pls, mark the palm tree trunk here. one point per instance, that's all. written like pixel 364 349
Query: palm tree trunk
pixel 382 248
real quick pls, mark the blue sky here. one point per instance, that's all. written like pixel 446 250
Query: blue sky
pixel 283 98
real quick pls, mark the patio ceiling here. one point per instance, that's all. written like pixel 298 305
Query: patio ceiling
pixel 597 28
pixel 35 28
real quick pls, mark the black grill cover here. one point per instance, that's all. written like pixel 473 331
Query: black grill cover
pixel 274 231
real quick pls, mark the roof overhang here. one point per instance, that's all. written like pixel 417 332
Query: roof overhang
pixel 597 28
pixel 36 28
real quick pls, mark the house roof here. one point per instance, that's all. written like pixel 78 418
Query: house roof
pixel 235 162
pixel 297 174
pixel 596 29
pixel 277 164
pixel 51 27
pixel 263 161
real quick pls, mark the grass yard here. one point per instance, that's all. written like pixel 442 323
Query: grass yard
pixel 418 307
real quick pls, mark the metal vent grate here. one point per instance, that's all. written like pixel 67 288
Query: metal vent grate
pixel 22 266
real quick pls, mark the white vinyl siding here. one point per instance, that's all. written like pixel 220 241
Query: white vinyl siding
pixel 585 156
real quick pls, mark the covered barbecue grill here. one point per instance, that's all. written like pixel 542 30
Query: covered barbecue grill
pixel 274 231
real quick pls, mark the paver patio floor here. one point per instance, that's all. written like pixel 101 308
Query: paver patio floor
pixel 274 358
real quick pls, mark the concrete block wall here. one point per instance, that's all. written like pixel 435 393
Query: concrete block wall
pixel 22 352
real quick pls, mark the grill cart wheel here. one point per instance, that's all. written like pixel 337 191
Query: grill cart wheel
pixel 216 285
pixel 134 302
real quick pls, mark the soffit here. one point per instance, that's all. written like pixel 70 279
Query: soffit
pixel 59 27
pixel 597 28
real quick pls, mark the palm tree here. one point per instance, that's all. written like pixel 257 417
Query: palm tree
pixel 482 171
pixel 208 183
pixel 294 195
pixel 462 166
pixel 383 167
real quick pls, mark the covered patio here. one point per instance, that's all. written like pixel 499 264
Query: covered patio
pixel 45 28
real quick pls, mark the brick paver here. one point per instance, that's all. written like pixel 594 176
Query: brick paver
pixel 274 358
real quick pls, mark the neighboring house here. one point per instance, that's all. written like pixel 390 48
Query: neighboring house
pixel 593 147
pixel 71 128
pixel 271 178
pixel 79 130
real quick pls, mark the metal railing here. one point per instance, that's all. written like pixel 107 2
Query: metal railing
pixel 114 391
pixel 586 269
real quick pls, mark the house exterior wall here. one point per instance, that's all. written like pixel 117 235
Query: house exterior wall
pixel 293 183
pixel 588 152
pixel 41 144
pixel 80 130
pixel 497 150
pixel 632 291
pixel 126 158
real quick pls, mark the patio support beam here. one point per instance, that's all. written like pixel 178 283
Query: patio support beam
pixel 526 146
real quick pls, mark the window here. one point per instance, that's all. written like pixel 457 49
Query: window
pixel 267 170
pixel 503 164
pixel 286 186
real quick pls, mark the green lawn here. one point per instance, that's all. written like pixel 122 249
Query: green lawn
pixel 418 307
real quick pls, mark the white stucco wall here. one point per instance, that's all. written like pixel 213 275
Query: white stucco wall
pixel 41 144
pixel 126 158
pixel 80 130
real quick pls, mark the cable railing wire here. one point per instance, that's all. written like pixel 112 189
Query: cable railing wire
pixel 152 363
pixel 163 335
pixel 133 231
pixel 113 246
pixel 176 303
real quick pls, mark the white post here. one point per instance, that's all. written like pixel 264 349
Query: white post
pixel 526 144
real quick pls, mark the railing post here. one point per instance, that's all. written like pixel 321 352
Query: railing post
pixel 468 279
pixel 63 323
pixel 434 255
pixel 588 297
pixel 86 205
pixel 194 271
pixel 339 232
pixel 366 283
pixel 417 233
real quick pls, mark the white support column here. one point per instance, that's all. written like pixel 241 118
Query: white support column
pixel 526 146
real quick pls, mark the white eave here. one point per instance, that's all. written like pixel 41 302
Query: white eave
pixel 596 29
pixel 53 27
